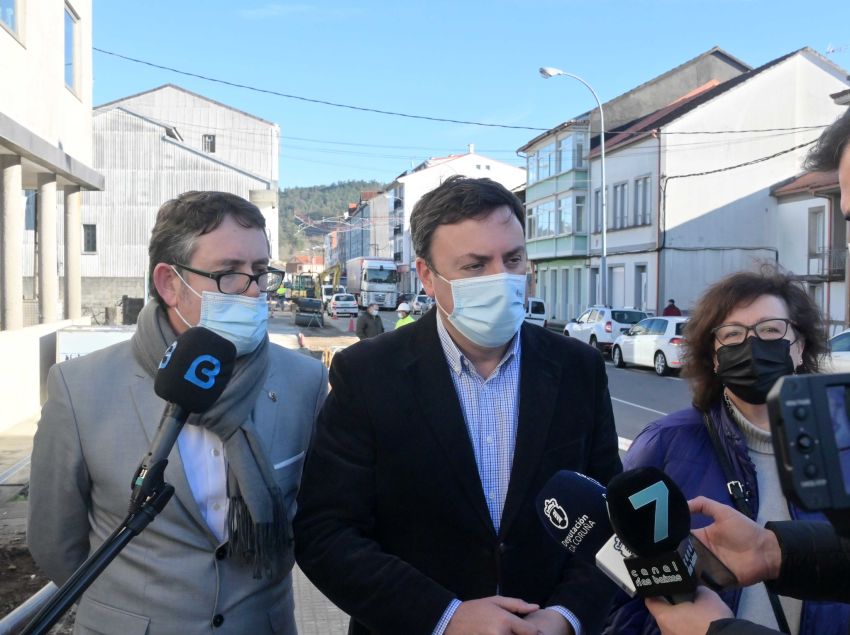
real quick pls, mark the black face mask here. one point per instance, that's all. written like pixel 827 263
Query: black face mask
pixel 751 368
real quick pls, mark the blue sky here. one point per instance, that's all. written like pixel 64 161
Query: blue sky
pixel 463 59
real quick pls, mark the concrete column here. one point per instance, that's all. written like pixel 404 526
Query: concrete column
pixel 48 276
pixel 73 249
pixel 12 226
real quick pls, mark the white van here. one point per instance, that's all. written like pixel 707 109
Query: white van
pixel 535 311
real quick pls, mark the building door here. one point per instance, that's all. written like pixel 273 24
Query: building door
pixel 640 287
pixel 617 290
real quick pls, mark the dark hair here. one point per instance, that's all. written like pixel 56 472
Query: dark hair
pixel 457 199
pixel 825 155
pixel 735 290
pixel 181 220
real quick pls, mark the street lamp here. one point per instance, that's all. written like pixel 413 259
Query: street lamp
pixel 546 73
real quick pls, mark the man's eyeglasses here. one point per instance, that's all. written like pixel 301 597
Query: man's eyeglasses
pixel 237 283
pixel 766 330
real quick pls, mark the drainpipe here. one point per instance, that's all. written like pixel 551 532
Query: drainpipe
pixel 658 244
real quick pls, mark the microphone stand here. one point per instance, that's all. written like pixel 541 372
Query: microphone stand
pixel 150 495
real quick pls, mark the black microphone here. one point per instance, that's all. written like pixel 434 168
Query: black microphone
pixel 192 375
pixel 650 514
pixel 573 510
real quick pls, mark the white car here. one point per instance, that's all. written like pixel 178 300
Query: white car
pixel 342 304
pixel 838 360
pixel 422 303
pixel 655 342
pixel 599 326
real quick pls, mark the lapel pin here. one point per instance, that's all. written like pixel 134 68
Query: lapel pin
pixel 273 395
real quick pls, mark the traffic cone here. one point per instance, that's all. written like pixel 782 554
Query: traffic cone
pixel 351 325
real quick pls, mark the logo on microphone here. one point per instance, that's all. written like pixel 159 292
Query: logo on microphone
pixel 166 357
pixel 555 513
pixel 205 365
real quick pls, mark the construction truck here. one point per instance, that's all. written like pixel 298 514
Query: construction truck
pixel 330 283
pixel 373 280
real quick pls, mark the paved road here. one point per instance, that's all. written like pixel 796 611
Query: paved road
pixel 640 397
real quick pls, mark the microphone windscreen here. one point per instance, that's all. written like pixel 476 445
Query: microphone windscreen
pixel 648 511
pixel 572 508
pixel 195 369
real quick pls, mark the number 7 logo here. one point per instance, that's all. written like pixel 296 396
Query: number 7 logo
pixel 659 494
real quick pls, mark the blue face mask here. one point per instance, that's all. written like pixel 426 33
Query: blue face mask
pixel 488 310
pixel 240 319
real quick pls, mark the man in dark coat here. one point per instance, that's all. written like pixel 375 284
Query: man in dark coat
pixel 417 514
pixel 369 323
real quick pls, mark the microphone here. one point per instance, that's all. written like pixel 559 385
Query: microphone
pixel 573 510
pixel 650 514
pixel 192 375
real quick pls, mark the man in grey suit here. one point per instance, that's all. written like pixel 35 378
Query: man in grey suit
pixel 219 557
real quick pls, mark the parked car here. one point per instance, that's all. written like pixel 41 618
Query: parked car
pixel 535 311
pixel 600 325
pixel 655 342
pixel 328 293
pixel 838 359
pixel 422 303
pixel 342 304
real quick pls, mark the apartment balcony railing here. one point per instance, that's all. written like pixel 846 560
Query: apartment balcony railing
pixel 829 262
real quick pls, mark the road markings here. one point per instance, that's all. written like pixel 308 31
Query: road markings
pixel 623 443
pixel 634 405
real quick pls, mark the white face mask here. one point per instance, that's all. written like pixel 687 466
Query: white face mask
pixel 373 312
pixel 400 315
pixel 488 310
pixel 240 319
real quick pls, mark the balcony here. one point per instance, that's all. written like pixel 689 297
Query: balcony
pixel 829 263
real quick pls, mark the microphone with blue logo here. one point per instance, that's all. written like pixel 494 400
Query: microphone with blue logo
pixel 192 375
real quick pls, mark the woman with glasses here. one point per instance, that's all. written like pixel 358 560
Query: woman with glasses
pixel 746 331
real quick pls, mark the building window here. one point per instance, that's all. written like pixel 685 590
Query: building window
pixel 817 231
pixel 208 142
pixel 545 162
pixel 530 219
pixel 71 21
pixel 545 225
pixel 9 15
pixel 597 210
pixel 620 212
pixel 89 239
pixel 579 155
pixel 565 215
pixel 565 154
pixel 642 215
pixel 532 168
pixel 578 218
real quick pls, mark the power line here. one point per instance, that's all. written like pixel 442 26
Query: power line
pixel 741 165
pixel 314 101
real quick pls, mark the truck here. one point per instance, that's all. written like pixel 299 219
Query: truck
pixel 373 280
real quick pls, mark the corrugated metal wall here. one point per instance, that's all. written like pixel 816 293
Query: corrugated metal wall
pixel 142 168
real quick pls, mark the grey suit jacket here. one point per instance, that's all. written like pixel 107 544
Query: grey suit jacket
pixel 99 419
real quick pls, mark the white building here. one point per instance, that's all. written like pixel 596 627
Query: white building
pixel 152 147
pixel 688 190
pixel 45 155
pixel 411 186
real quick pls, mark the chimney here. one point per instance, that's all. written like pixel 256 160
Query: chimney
pixel 471 148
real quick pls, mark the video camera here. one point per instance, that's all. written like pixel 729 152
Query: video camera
pixel 810 425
